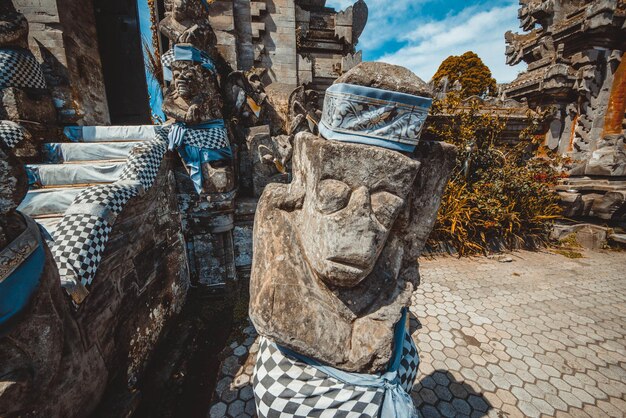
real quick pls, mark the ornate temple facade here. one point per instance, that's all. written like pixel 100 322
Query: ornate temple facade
pixel 576 67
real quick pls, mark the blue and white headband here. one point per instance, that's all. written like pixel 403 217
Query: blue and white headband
pixel 184 52
pixel 372 116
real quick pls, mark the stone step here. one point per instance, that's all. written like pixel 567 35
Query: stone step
pixel 57 153
pixel 619 238
pixel 48 222
pixel 110 133
pixel 79 173
pixel 48 202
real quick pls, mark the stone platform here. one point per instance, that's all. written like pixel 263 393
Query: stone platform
pixel 529 334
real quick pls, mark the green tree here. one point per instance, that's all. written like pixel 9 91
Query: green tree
pixel 474 76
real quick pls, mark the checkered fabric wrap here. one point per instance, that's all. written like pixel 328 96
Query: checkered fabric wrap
pixel 181 52
pixel 113 196
pixel 19 68
pixel 144 162
pixel 11 133
pixel 409 364
pixel 167 58
pixel 79 242
pixel 287 388
pixel 80 238
pixel 213 138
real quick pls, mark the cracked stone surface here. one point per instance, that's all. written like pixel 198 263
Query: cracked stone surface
pixel 542 335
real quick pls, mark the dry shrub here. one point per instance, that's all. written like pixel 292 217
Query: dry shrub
pixel 498 195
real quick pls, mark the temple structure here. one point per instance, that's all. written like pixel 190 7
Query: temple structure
pixel 576 67
pixel 136 220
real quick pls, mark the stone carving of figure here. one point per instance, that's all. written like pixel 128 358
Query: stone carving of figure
pixel 186 21
pixel 13 26
pixel 533 12
pixel 304 111
pixel 193 101
pixel 24 95
pixel 335 251
pixel 514 48
pixel 193 95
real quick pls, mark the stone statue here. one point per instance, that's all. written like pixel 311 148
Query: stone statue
pixel 186 21
pixel 335 251
pixel 193 102
pixel 13 183
pixel 24 94
pixel 304 111
pixel 13 26
pixel 193 95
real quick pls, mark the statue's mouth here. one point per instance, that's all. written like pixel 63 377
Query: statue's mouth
pixel 183 89
pixel 351 264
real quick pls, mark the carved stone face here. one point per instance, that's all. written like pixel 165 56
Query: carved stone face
pixel 353 196
pixel 185 81
pixel 193 95
pixel 335 250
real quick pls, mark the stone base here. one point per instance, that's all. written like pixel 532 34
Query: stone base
pixel 601 198
pixel 589 236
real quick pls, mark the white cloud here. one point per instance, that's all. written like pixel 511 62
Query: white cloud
pixel 428 43
pixel 478 31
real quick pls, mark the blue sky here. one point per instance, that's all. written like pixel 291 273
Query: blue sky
pixel 419 34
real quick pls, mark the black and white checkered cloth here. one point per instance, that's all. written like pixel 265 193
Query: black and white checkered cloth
pixel 167 58
pixel 288 388
pixel 112 196
pixel 409 364
pixel 79 242
pixel 80 237
pixel 19 68
pixel 213 138
pixel 179 134
pixel 144 162
pixel 11 133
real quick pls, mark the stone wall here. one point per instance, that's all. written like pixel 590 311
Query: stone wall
pixel 75 353
pixel 63 37
pixel 298 42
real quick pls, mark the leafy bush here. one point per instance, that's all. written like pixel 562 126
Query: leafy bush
pixel 498 194
pixel 469 70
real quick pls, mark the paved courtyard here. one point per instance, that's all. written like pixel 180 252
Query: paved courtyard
pixel 541 335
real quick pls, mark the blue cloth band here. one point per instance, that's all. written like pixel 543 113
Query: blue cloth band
pixel 397 403
pixel 200 144
pixel 373 116
pixel 185 52
pixel 19 285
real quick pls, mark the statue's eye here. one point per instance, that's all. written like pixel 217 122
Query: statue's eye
pixel 332 195
pixel 386 207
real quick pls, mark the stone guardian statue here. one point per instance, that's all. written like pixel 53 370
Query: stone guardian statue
pixel 335 251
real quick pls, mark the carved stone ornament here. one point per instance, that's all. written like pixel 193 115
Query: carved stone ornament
pixel 193 96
